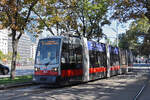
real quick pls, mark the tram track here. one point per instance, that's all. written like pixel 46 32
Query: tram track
pixel 141 90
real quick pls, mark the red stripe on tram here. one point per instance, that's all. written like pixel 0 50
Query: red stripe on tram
pixel 71 72
pixel 79 72
pixel 98 69
pixel 46 72
pixel 113 68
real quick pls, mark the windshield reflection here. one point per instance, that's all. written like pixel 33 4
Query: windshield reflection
pixel 48 52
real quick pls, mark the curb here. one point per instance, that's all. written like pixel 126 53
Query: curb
pixel 15 85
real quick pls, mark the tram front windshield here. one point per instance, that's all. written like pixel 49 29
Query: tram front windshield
pixel 48 52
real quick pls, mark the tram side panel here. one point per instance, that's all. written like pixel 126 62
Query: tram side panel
pixel 130 59
pixel 114 67
pixel 97 60
pixel 71 61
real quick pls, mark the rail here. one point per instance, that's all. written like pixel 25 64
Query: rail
pixel 139 93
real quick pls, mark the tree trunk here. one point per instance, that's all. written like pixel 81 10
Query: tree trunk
pixel 14 55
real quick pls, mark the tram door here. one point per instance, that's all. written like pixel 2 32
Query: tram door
pixel 114 60
pixel 98 60
pixel 71 59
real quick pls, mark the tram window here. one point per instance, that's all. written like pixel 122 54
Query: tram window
pixel 78 51
pixel 102 60
pixel 72 53
pixel 93 58
pixel 65 53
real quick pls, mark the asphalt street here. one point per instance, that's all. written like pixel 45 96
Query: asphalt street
pixel 145 95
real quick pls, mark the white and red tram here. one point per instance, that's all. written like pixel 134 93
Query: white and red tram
pixel 73 59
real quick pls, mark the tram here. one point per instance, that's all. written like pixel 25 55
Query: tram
pixel 61 59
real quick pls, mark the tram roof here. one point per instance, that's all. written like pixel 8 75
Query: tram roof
pixel 60 37
pixel 52 37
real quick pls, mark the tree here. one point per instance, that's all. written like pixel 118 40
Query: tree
pixel 125 10
pixel 92 16
pixel 1 55
pixel 84 17
pixel 137 37
pixel 16 15
pixel 123 41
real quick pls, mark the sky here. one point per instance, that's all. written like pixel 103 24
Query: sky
pixel 110 30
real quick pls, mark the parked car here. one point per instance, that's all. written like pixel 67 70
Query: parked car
pixel 4 69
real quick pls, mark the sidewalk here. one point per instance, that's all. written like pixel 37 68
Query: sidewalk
pixel 22 67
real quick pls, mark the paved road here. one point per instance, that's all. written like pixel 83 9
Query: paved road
pixel 122 87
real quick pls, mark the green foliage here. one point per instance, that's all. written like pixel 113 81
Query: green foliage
pixel 123 41
pixel 9 56
pixel 16 15
pixel 137 37
pixel 1 55
pixel 125 10
pixel 91 16
pixel 84 17
pixel 141 24
pixel 30 59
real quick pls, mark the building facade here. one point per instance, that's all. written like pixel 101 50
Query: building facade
pixel 24 48
pixel 4 41
pixel 33 50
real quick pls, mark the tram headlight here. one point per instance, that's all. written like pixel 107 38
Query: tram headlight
pixel 35 69
pixel 55 69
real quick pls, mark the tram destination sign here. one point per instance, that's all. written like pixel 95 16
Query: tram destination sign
pixel 50 42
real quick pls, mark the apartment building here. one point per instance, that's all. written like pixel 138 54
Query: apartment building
pixel 33 50
pixel 4 41
pixel 24 47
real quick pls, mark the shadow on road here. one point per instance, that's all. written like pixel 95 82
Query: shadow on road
pixel 115 88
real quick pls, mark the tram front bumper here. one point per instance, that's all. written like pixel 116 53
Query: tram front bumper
pixel 44 79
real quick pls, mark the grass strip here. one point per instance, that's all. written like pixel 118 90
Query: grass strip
pixel 18 79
